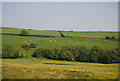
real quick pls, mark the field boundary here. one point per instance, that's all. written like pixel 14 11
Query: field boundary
pixel 55 36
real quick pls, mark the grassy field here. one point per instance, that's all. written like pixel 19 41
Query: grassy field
pixel 31 68
pixel 95 34
pixel 52 69
pixel 18 41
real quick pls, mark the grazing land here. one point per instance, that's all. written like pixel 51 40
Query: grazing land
pixel 42 68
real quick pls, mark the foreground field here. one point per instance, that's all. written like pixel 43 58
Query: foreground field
pixel 32 68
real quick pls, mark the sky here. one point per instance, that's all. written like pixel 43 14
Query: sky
pixel 76 16
pixel 0 14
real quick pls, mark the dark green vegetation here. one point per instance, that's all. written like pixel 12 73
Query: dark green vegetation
pixel 59 49
pixel 24 33
pixel 9 51
pixel 80 54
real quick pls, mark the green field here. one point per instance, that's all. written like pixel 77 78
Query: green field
pixel 92 34
pixel 28 67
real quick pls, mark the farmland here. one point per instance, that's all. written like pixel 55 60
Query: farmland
pixel 38 68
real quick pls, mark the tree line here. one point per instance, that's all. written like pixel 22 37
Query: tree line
pixel 81 54
pixel 78 53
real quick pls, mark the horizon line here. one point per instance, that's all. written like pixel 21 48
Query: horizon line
pixel 63 29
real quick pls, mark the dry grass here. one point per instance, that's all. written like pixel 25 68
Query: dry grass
pixel 36 69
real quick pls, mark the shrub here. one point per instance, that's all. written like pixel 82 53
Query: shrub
pixel 28 46
pixel 118 54
pixel 73 50
pixel 62 55
pixel 9 51
pixel 109 56
pixel 83 54
pixel 50 54
pixel 112 37
pixel 107 37
pixel 24 33
pixel 53 54
pixel 93 56
pixel 56 53
pixel 32 46
pixel 69 56
pixel 94 53
pixel 39 53
pixel 112 56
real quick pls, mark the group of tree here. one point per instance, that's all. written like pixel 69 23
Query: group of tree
pixel 81 54
pixel 9 51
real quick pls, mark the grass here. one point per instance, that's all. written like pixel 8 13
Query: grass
pixel 36 69
pixel 95 34
pixel 31 68
pixel 18 41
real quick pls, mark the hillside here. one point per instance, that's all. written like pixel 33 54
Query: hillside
pixel 53 42
pixel 91 34
pixel 29 67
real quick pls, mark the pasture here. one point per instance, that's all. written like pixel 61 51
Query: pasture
pixel 91 34
pixel 52 42
pixel 32 68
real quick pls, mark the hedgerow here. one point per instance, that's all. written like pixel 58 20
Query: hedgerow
pixel 81 54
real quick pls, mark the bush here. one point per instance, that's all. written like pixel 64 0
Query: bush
pixel 107 37
pixel 9 51
pixel 112 56
pixel 112 37
pixel 39 53
pixel 28 46
pixel 24 33
pixel 94 53
pixel 118 54
pixel 83 54
pixel 53 54
pixel 73 50
pixel 93 56
pixel 62 55
pixel 32 46
pixel 69 56
pixel 108 56
pixel 80 54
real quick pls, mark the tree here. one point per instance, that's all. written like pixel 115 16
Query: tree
pixel 83 54
pixel 93 56
pixel 9 51
pixel 69 55
pixel 24 33
pixel 62 55
pixel 39 53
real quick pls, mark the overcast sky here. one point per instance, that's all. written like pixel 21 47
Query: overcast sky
pixel 79 16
